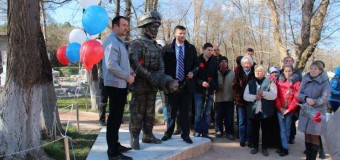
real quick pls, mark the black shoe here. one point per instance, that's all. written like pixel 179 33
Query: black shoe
pixel 230 137
pixel 119 156
pixel 207 136
pixel 187 140
pixel 177 132
pixel 242 144
pixel 250 145
pixel 278 150
pixel 102 122
pixel 254 151
pixel 265 152
pixel 284 152
pixel 322 154
pixel 218 134
pixel 166 137
pixel 291 141
pixel 123 149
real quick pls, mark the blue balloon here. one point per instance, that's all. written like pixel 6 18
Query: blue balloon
pixel 95 19
pixel 73 52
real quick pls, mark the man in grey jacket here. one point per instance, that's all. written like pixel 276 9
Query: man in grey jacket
pixel 116 75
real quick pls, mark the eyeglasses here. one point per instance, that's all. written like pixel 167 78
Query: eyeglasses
pixel 216 50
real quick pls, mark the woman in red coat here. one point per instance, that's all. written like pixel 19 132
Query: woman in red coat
pixel 287 90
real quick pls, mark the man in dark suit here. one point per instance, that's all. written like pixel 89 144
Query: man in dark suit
pixel 180 62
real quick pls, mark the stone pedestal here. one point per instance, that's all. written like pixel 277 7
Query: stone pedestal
pixel 173 149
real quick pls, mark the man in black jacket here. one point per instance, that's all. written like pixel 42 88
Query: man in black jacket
pixel 206 83
pixel 180 63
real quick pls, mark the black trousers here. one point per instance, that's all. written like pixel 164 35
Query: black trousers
pixel 117 98
pixel 179 101
pixel 224 114
pixel 103 100
pixel 264 123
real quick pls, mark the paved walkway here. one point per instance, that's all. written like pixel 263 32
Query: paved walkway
pixel 220 149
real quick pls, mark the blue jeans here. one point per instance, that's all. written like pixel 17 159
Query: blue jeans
pixel 203 105
pixel 285 123
pixel 165 114
pixel 244 125
pixel 224 114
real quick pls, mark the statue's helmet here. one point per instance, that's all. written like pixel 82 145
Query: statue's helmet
pixel 148 18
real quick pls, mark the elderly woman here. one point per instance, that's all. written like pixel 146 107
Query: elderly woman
pixel 243 74
pixel 315 91
pixel 260 94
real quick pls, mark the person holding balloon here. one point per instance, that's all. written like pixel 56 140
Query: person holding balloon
pixel 116 75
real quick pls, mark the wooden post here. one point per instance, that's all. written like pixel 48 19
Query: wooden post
pixel 55 123
pixel 67 149
pixel 54 128
pixel 77 116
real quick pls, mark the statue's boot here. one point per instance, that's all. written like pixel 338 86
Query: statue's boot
pixel 150 138
pixel 134 141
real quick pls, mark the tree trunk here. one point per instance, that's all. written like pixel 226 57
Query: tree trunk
pixel 94 88
pixel 128 6
pixel 43 17
pixel 275 18
pixel 117 7
pixel 29 82
pixel 198 5
pixel 155 5
pixel 311 27
pixel 316 25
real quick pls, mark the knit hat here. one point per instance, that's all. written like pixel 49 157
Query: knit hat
pixel 274 69
pixel 222 58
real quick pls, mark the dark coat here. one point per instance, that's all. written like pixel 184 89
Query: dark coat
pixel 208 71
pixel 267 102
pixel 239 84
pixel 190 62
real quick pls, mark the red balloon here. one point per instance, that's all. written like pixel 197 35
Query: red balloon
pixel 91 52
pixel 61 55
pixel 88 67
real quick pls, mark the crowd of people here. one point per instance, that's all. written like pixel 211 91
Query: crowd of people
pixel 201 85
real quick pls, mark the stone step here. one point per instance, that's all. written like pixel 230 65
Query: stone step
pixel 173 149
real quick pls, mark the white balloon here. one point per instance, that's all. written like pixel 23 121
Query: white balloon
pixel 77 35
pixel 87 3
pixel 100 41
pixel 93 36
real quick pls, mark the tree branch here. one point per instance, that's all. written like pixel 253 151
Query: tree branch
pixel 275 19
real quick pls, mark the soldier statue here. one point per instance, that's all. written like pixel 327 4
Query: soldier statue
pixel 147 62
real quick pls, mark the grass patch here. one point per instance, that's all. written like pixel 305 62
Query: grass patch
pixel 64 102
pixel 82 146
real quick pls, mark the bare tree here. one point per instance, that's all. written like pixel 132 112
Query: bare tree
pixel 117 7
pixel 150 5
pixel 312 22
pixel 128 7
pixel 29 84
pixel 198 5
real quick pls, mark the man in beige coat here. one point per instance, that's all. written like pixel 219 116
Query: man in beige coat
pixel 224 100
